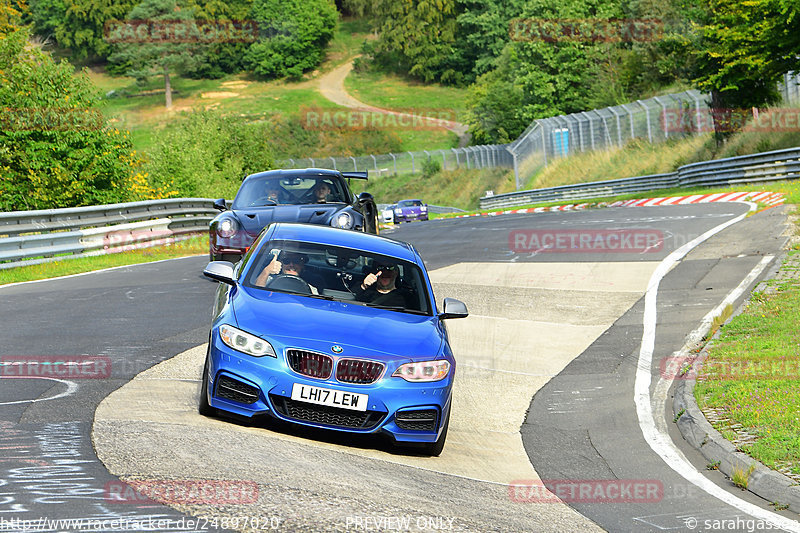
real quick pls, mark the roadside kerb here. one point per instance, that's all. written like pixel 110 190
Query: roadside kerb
pixel 698 432
pixel 768 198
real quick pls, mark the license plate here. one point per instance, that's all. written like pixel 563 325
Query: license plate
pixel 330 397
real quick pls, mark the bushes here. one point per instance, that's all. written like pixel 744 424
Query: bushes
pixel 56 148
pixel 206 154
pixel 297 32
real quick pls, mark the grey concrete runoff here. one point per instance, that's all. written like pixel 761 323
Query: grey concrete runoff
pixel 695 428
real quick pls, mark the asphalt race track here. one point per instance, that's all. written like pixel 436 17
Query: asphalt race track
pixel 547 368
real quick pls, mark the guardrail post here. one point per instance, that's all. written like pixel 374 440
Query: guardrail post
pixel 333 161
pixel 313 164
pixel 444 160
pixel 466 155
pixel 413 171
pixel 394 159
pixel 355 165
pixel 293 163
pixel 374 162
pixel 458 163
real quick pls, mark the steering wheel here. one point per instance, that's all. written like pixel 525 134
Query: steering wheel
pixel 289 283
pixel 262 201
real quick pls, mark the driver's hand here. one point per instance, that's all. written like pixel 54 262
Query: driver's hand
pixel 274 267
pixel 370 279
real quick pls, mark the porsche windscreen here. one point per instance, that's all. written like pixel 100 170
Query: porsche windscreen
pixel 308 189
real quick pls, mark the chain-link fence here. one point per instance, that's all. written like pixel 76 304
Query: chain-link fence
pixel 790 88
pixel 485 156
pixel 655 119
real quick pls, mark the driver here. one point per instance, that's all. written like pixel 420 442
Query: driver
pixel 290 264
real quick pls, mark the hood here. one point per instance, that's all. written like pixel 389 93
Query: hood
pixel 316 324
pixel 257 218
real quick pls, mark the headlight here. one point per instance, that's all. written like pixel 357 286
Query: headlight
pixel 245 342
pixel 423 208
pixel 227 228
pixel 343 220
pixel 423 371
pixel 398 211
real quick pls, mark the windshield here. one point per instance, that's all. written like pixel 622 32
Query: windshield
pixel 341 274
pixel 409 203
pixel 267 191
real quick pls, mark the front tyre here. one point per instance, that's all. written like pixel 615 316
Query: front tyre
pixel 434 449
pixel 203 407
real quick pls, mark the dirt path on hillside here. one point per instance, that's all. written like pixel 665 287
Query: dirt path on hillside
pixel 331 85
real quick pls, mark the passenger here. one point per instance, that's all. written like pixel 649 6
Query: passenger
pixel 319 192
pixel 380 287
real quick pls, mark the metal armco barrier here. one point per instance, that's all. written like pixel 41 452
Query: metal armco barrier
pixel 767 166
pixel 31 237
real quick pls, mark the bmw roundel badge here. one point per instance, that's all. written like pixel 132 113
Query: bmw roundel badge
pixel 337 349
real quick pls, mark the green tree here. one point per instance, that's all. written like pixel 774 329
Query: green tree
pixel 206 154
pixel 417 37
pixel 746 47
pixel 11 14
pixel 227 56
pixel 482 33
pixel 295 34
pixel 56 148
pixel 46 16
pixel 159 52
pixel 83 26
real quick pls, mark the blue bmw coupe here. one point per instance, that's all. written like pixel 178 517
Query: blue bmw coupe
pixel 333 329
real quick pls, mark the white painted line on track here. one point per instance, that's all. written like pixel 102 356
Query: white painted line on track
pixel 661 391
pixel 71 388
pixel 660 442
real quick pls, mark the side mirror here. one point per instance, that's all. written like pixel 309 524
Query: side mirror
pixel 220 204
pixel 220 271
pixel 454 309
pixel 364 197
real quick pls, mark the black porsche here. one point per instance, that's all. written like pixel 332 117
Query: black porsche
pixel 310 195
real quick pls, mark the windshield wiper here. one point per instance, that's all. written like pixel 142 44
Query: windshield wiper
pixel 318 296
pixel 395 308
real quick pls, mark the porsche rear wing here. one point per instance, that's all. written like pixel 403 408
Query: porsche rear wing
pixel 355 175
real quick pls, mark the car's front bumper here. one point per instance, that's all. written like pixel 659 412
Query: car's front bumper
pixel 253 386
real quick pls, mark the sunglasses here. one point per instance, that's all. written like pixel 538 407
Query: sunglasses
pixel 389 268
pixel 293 260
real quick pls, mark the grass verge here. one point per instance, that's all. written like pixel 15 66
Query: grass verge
pixel 193 246
pixel 751 378
pixel 390 91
